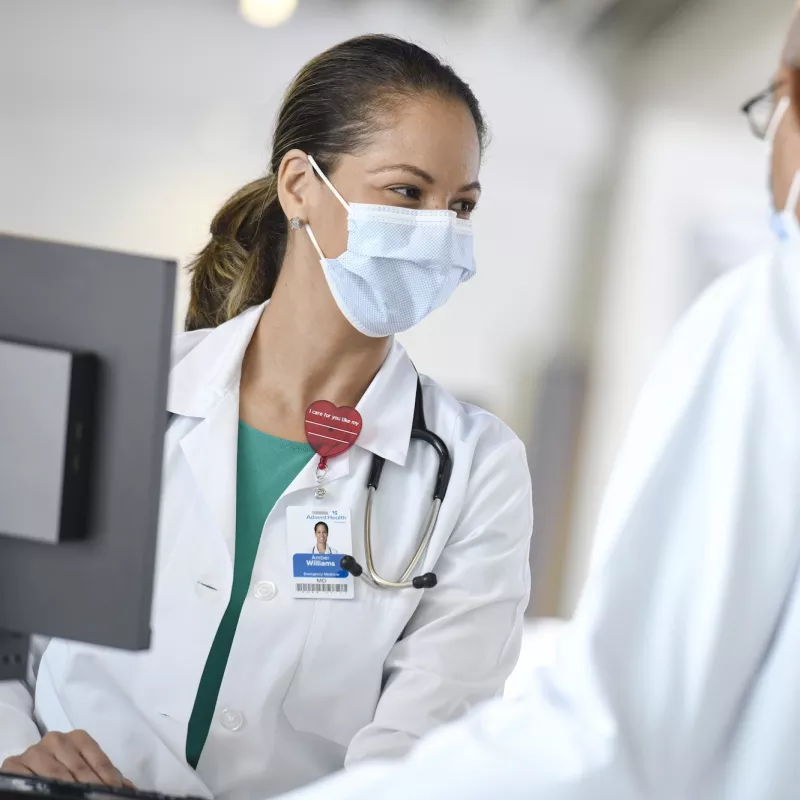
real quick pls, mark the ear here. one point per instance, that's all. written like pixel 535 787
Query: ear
pixel 295 180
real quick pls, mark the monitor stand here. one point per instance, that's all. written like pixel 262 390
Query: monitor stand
pixel 14 649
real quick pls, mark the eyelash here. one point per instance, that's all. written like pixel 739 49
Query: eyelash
pixel 401 189
pixel 469 205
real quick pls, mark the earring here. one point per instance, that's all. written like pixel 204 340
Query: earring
pixel 296 223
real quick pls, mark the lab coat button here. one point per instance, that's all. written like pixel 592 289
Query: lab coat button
pixel 265 590
pixel 231 720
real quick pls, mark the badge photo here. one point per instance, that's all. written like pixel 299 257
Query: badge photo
pixel 318 538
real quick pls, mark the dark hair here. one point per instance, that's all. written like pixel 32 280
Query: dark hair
pixel 324 525
pixel 331 108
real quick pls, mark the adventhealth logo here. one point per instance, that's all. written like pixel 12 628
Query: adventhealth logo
pixel 333 515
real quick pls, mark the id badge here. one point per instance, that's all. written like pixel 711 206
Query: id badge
pixel 318 538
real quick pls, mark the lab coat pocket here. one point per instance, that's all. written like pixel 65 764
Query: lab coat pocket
pixel 338 682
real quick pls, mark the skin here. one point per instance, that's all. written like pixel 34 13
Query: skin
pixel 322 538
pixel 786 147
pixel 70 757
pixel 288 363
pixel 302 332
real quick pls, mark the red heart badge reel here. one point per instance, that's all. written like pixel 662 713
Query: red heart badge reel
pixel 331 430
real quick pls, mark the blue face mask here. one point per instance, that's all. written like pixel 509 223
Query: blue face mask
pixel 400 264
pixel 777 222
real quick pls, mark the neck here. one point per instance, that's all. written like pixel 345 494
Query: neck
pixel 304 350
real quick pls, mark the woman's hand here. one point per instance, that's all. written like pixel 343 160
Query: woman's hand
pixel 73 757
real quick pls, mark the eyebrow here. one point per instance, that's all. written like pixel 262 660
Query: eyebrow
pixel 422 175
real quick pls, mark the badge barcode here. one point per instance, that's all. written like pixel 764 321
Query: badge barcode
pixel 334 588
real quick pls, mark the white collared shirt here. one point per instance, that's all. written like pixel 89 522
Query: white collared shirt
pixel 395 664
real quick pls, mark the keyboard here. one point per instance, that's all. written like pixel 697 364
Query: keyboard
pixel 15 787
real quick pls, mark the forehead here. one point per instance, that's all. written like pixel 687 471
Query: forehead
pixel 437 135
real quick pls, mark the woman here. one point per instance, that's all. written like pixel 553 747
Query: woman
pixel 321 533
pixel 249 690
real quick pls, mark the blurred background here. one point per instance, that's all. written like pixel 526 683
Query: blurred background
pixel 620 181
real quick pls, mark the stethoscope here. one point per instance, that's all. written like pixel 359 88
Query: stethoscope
pixel 420 432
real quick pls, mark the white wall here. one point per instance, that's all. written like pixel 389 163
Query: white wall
pixel 126 124
pixel 690 202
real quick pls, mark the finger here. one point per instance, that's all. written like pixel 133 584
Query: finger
pixel 42 764
pixel 65 751
pixel 13 766
pixel 97 760
pixel 128 784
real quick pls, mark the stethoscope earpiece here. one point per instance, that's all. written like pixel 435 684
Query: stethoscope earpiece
pixel 426 581
pixel 349 564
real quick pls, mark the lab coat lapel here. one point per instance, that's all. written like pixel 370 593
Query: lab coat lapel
pixel 211 450
pixel 205 385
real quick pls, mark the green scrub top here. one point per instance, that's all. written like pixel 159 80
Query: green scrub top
pixel 265 467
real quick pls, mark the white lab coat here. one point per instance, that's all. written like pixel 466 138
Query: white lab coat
pixel 310 684
pixel 679 678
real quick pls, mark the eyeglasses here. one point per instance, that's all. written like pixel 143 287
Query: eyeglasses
pixel 759 110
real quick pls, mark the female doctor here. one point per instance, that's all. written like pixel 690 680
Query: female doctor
pixel 362 226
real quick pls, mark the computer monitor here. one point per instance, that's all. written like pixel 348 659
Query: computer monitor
pixel 84 363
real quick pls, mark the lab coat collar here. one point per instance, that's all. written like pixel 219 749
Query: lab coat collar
pixel 210 374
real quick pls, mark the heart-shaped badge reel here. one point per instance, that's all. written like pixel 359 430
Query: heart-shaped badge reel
pixel 332 430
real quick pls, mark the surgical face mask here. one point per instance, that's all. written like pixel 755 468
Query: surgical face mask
pixel 777 218
pixel 786 224
pixel 400 264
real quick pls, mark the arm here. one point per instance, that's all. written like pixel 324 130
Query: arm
pixel 72 756
pixel 464 638
pixel 697 552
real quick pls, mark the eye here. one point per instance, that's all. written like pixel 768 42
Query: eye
pixel 464 207
pixel 409 192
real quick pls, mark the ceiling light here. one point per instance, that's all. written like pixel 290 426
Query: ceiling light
pixel 267 13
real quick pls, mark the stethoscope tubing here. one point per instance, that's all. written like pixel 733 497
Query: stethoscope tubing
pixel 372 575
pixel 420 432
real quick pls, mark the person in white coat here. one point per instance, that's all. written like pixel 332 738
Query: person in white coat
pixel 360 229
pixel 679 676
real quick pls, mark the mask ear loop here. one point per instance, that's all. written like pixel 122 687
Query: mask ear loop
pixel 324 177
pixel 314 241
pixel 777 118
pixel 336 194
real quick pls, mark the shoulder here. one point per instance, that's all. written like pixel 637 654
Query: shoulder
pixel 729 327
pixel 473 430
pixel 720 401
pixel 467 422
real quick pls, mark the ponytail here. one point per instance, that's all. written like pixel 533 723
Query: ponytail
pixel 239 267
